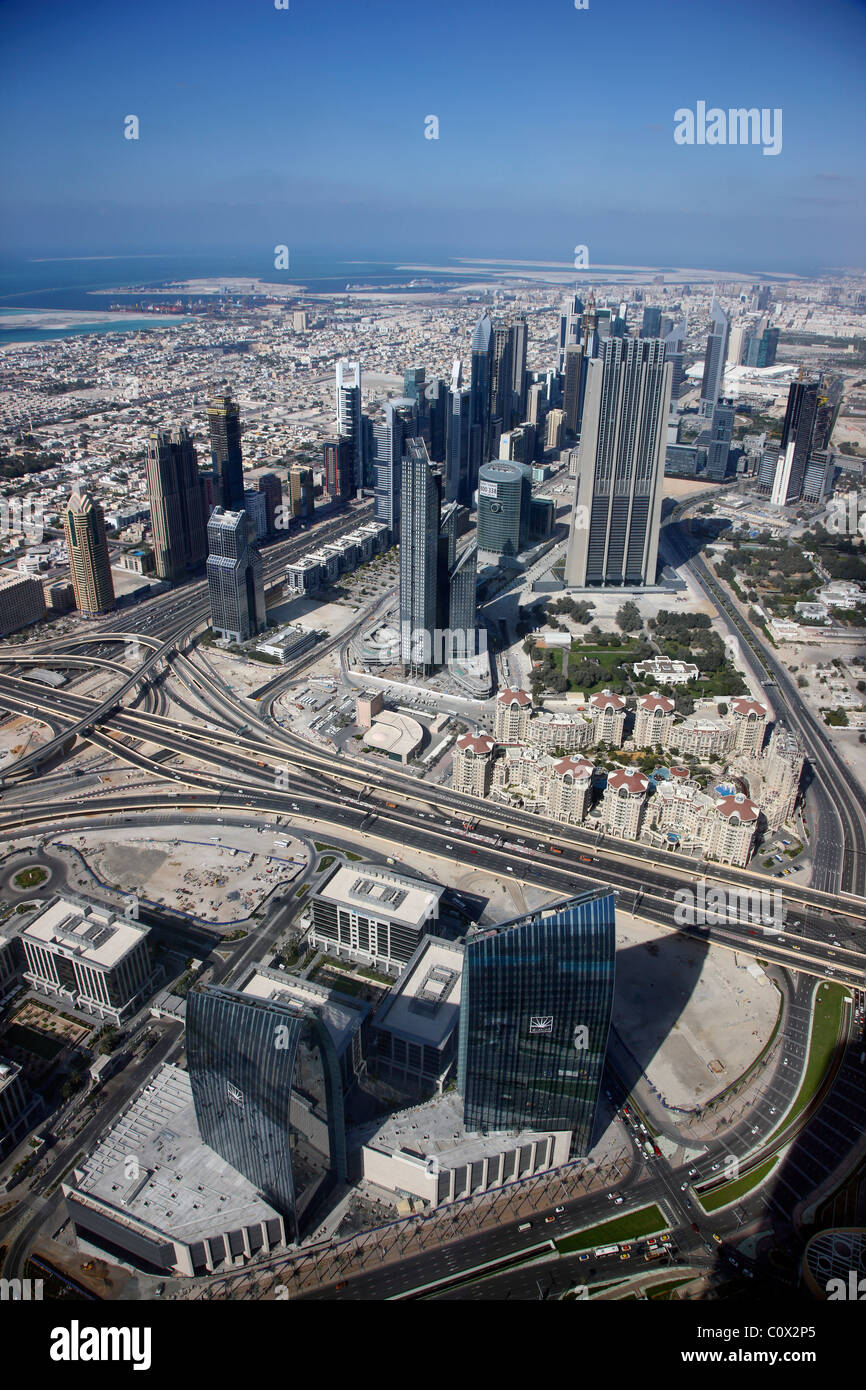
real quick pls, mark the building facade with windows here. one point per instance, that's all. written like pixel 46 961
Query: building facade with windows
pixel 371 914
pixel 84 955
pixel 268 1097
pixel 534 1019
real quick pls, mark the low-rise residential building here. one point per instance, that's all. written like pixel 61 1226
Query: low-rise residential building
pixel 653 721
pixel 623 804
pixel 707 739
pixel 608 718
pixel 555 731
pixel 730 832
pixel 472 765
pixel 749 720
pixel 668 672
pixel 511 720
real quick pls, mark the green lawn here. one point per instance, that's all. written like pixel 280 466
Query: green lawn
pixel 732 1191
pixel 631 1226
pixel 30 878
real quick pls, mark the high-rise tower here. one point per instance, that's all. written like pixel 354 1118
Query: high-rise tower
pixel 480 396
pixel 399 422
pixel 617 513
pixel 234 576
pixel 87 547
pixel 535 1012
pixel 714 359
pixel 177 517
pixel 224 424
pixel 268 1098
pixel 349 418
pixel 798 431
pixel 421 505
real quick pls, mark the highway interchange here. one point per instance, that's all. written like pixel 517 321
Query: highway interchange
pixel 237 760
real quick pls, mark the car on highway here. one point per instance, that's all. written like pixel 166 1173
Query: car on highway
pixel 548 1219
pixel 559 1210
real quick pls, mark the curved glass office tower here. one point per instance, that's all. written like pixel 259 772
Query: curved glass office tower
pixel 534 1018
pixel 266 1087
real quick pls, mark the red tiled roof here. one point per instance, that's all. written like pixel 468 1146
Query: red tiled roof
pixel 634 781
pixel 509 697
pixel 479 743
pixel 748 707
pixel 737 807
pixel 606 701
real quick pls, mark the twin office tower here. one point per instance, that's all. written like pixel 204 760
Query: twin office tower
pixel 537 994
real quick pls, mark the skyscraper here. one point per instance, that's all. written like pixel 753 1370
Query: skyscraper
pixel 421 503
pixel 675 342
pixel 462 599
pixel 714 359
pixel 177 516
pixel 87 547
pixel 569 326
pixel 437 400
pixel 301 492
pixel 795 446
pixel 617 512
pixel 458 472
pixel 268 1098
pixel 480 395
pixel 337 459
pixel 572 382
pixel 224 424
pixel 349 417
pixel 399 422
pixel 651 326
pixel 272 488
pixel 234 576
pixel 500 491
pixel 519 344
pixel 501 382
pixel 535 1013
pixel 719 446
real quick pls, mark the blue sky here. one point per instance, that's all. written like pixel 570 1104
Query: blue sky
pixel 306 127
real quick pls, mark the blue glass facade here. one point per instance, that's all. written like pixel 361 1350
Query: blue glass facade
pixel 534 1019
pixel 268 1099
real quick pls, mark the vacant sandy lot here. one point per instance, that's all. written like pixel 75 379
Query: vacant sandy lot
pixel 693 1017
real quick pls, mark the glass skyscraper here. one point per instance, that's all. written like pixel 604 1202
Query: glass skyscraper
pixel 534 1018
pixel 224 426
pixel 617 514
pixel 267 1092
